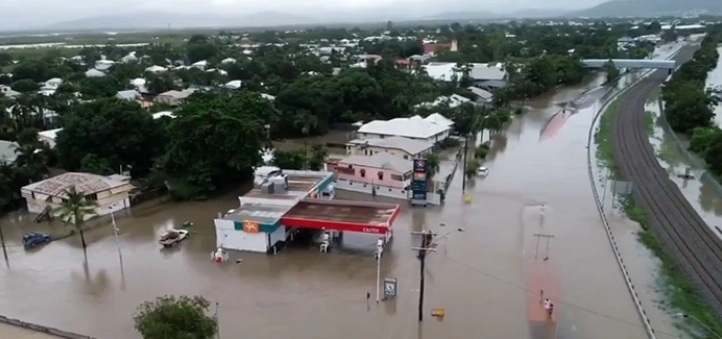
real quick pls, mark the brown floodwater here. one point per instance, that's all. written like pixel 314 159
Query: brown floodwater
pixel 477 276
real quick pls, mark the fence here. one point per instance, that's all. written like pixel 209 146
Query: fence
pixel 42 329
pixel 610 237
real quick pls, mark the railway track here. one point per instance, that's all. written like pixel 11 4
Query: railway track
pixel 680 228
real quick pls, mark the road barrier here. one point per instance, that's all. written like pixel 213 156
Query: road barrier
pixel 42 329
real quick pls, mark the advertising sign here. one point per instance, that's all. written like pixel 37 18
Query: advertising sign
pixel 389 287
pixel 250 226
pixel 419 184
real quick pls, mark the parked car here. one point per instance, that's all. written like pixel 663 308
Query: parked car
pixel 482 171
pixel 172 237
pixel 32 240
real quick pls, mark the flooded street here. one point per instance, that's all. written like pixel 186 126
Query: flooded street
pixel 714 79
pixel 537 184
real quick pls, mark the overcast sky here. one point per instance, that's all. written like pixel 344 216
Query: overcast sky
pixel 24 14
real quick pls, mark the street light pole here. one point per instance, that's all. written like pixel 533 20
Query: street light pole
pixel 2 240
pixel 115 229
pixel 379 251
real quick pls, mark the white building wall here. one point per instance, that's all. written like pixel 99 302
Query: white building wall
pixel 278 235
pixel 115 202
pixel 229 238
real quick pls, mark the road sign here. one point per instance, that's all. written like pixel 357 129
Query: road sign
pixel 389 287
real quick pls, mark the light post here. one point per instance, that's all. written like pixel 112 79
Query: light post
pixel 379 252
pixel 684 315
pixel 115 228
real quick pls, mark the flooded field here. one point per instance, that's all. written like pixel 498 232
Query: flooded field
pixel 478 276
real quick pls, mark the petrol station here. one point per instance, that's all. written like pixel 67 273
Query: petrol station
pixel 285 201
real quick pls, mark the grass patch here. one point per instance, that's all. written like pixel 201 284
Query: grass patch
pixel 603 137
pixel 681 293
pixel 649 122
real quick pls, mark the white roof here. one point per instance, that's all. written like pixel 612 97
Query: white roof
pixel 405 144
pixel 483 94
pixel 84 183
pixel 381 160
pixel 440 119
pixel 233 84
pixel 94 73
pixel 156 69
pixel 452 101
pixel 414 127
pixel 163 114
pixel 268 96
pixel 445 71
pixel 138 81
pixel 50 134
pixel 228 61
pixel 201 63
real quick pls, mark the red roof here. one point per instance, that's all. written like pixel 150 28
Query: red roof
pixel 432 48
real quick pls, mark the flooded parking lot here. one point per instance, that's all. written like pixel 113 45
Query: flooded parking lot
pixel 477 276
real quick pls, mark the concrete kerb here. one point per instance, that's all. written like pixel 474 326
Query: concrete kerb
pixel 620 262
pixel 42 329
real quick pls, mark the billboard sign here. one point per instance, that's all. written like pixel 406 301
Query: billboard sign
pixel 419 184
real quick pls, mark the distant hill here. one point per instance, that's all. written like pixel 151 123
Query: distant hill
pixel 156 20
pixel 648 8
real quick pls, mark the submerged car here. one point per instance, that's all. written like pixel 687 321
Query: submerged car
pixel 34 239
pixel 172 237
pixel 482 171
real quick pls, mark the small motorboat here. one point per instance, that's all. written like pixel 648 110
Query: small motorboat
pixel 172 237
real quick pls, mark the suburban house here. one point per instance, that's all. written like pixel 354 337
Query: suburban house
pixel 156 69
pixel 104 64
pixel 380 174
pixel 233 84
pixel 485 76
pixel 53 83
pixel 49 136
pixel 431 129
pixel 130 57
pixel 450 101
pixel 483 97
pixel 435 48
pixel 110 193
pixel 403 148
pixel 200 64
pixel 174 98
pixel 228 61
pixel 94 73
pixel 7 151
pixel 130 95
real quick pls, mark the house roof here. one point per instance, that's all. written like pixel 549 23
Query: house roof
pixel 381 160
pixel 481 93
pixel 7 151
pixel 440 119
pixel 178 94
pixel 94 73
pixel 414 127
pixel 84 183
pixel 163 114
pixel 234 84
pixel 445 71
pixel 50 134
pixel 156 69
pixel 128 95
pixel 405 144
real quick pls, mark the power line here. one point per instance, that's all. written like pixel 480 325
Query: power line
pixel 567 303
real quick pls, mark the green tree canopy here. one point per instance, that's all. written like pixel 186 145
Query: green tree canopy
pixel 215 140
pixel 120 132
pixel 175 317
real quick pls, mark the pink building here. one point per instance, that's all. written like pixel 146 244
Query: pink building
pixel 380 174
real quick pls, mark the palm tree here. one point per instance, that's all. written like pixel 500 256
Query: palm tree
pixel 31 160
pixel 432 165
pixel 76 208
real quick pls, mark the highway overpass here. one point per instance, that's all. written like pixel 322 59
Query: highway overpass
pixel 631 63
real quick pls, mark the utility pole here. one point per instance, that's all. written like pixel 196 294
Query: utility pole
pixel 2 240
pixel 463 171
pixel 538 236
pixel 427 238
